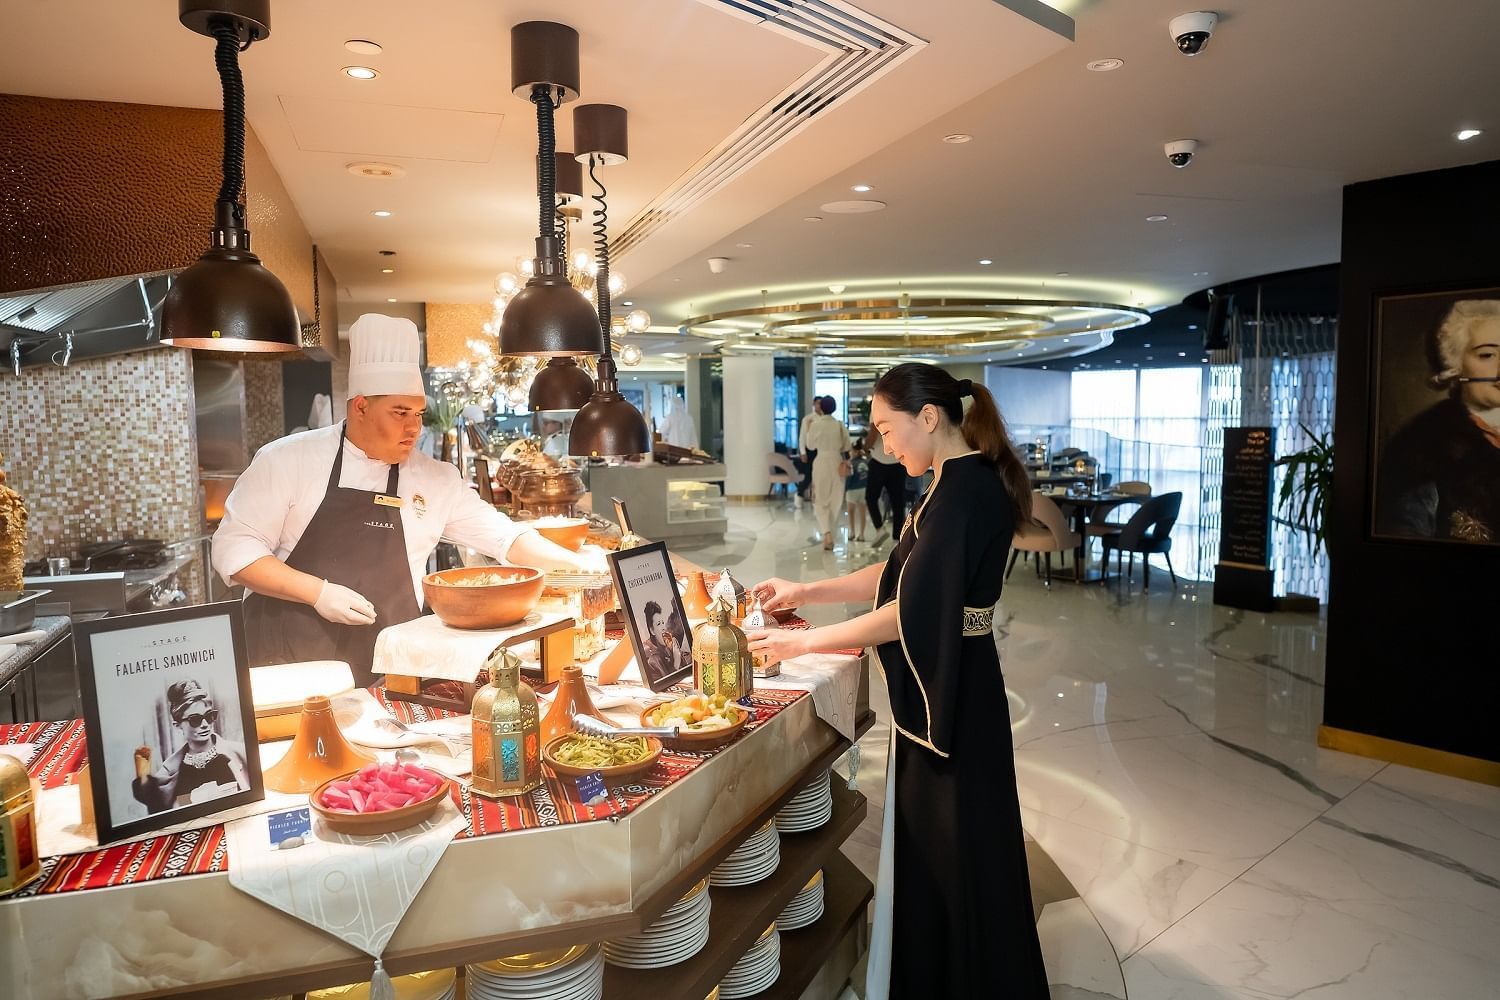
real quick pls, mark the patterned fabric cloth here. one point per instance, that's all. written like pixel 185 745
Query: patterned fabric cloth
pixel 62 750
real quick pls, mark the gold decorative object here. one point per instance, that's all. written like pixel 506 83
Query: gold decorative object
pixel 722 664
pixel 19 861
pixel 12 535
pixel 733 594
pixel 318 752
pixel 507 731
pixel 756 619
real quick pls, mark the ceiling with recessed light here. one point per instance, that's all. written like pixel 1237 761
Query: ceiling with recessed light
pixel 977 133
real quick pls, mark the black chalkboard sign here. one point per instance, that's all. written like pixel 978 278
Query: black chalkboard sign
pixel 1245 518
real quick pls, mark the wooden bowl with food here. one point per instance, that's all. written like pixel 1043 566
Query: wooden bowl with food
pixel 574 755
pixel 703 723
pixel 483 596
pixel 379 798
pixel 569 532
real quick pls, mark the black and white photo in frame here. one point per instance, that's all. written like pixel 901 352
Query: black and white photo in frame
pixel 651 606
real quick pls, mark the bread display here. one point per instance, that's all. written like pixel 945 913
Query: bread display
pixel 12 534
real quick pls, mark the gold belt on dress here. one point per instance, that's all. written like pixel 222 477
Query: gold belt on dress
pixel 979 621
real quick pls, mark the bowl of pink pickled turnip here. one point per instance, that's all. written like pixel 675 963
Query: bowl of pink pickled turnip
pixel 379 798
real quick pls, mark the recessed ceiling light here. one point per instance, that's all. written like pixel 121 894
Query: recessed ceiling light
pixel 1465 134
pixel 854 206
pixel 1192 326
pixel 362 47
pixel 390 300
pixel 744 246
pixel 1150 357
pixel 381 213
pixel 1104 65
pixel 360 73
pixel 1200 274
pixel 627 302
pixel 387 270
pixel 1145 345
pixel 1182 354
pixel 836 289
pixel 861 188
pixel 957 138
pixel 812 218
pixel 1205 361
pixel 375 171
pixel 1062 274
pixel 1156 218
pixel 986 261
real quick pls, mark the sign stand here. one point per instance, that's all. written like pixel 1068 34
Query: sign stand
pixel 1243 577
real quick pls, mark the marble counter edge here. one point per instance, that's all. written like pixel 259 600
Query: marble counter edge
pixel 15 658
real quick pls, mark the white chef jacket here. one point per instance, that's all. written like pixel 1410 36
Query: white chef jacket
pixel 276 497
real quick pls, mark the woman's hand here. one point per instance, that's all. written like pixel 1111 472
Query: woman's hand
pixel 778 644
pixel 776 593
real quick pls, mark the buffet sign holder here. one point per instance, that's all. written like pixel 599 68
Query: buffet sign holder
pixel 553 634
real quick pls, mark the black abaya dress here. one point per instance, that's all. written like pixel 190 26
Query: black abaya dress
pixel 962 924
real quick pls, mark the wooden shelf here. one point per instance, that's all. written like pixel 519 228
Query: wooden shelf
pixel 742 913
pixel 846 892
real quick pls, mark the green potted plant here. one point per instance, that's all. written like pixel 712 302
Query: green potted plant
pixel 1307 489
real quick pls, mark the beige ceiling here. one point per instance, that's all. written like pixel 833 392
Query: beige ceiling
pixel 1292 100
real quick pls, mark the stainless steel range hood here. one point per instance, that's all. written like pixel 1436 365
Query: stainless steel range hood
pixel 91 320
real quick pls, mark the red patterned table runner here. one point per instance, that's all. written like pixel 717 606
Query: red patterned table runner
pixel 62 751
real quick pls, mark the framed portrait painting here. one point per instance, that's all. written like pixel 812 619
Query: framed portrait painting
pixel 1436 420
pixel 169 717
pixel 654 618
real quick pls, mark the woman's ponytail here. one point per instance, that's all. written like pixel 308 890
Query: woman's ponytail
pixel 984 429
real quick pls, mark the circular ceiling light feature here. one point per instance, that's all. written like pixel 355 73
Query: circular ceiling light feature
pixel 390 300
pixel 387 270
pixel 957 138
pixel 812 218
pixel 1465 134
pixel 854 206
pixel 1106 65
pixel 363 47
pixel 375 171
pixel 861 188
pixel 836 289
pixel 1156 218
pixel 381 213
pixel 360 72
pixel 985 261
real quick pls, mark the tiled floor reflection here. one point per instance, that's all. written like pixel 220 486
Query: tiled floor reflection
pixel 1169 776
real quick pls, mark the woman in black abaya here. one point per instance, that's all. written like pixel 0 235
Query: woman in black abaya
pixel 953 907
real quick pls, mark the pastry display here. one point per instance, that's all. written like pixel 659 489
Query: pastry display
pixel 12 534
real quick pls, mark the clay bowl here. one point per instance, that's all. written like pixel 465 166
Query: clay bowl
pixel 569 532
pixel 376 823
pixel 610 774
pixel 689 740
pixel 491 605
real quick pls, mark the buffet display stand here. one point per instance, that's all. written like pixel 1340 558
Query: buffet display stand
pixel 666 502
pixel 503 893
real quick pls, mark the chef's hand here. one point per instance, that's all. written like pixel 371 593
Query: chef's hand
pixel 777 593
pixel 592 559
pixel 778 644
pixel 343 606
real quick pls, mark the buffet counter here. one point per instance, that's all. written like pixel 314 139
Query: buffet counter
pixel 665 501
pixel 493 895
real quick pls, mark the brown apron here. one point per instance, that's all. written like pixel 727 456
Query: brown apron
pixel 355 540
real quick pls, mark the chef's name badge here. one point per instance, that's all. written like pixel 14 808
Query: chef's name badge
pixel 386 501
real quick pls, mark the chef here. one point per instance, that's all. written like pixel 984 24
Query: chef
pixel 330 530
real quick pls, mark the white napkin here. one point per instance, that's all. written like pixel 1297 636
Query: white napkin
pixel 355 888
pixel 833 680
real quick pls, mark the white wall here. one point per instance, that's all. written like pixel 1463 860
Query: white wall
pixel 747 424
pixel 1031 397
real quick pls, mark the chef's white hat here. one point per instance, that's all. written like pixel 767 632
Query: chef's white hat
pixel 384 357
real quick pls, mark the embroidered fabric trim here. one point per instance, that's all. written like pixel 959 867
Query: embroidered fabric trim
pixel 979 621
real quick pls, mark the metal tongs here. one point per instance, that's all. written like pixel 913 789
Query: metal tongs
pixel 590 726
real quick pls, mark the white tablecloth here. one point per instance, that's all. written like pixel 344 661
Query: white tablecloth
pixel 833 679
pixel 425 647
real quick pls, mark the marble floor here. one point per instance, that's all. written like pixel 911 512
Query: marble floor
pixel 1189 840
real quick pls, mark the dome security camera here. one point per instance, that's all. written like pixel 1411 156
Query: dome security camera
pixel 716 265
pixel 1180 152
pixel 1191 31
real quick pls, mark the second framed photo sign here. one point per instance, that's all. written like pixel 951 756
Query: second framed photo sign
pixel 654 618
pixel 168 713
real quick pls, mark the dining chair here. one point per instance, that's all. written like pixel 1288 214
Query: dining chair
pixel 1148 532
pixel 1047 533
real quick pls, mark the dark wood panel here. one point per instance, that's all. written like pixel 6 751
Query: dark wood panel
pixel 846 892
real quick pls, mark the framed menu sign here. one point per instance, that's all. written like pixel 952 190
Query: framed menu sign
pixel 168 712
pixel 1243 578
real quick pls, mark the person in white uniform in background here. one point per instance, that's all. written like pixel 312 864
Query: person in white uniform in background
pixel 829 438
pixel 330 530
pixel 680 430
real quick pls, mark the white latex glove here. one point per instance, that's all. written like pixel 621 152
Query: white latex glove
pixel 592 559
pixel 343 606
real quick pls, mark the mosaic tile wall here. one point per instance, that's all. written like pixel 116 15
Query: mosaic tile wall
pixel 264 418
pixel 103 449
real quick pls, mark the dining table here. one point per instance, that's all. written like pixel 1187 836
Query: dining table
pixel 1080 509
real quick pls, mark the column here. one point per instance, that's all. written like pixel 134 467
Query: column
pixel 747 425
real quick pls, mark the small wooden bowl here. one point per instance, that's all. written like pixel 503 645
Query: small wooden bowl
pixel 488 606
pixel 376 823
pixel 611 774
pixel 569 532
pixel 687 739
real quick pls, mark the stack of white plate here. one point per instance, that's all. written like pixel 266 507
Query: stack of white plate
pixel 809 808
pixel 752 861
pixel 678 935
pixel 575 973
pixel 436 984
pixel 805 908
pixel 756 970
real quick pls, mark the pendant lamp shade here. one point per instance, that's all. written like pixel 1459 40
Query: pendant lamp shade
pixel 569 179
pixel 609 425
pixel 547 318
pixel 561 385
pixel 600 131
pixel 228 301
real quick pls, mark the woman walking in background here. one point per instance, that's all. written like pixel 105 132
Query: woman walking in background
pixel 829 438
pixel 953 887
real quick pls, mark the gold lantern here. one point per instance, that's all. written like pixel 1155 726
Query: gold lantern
pixel 756 619
pixel 507 731
pixel 734 594
pixel 721 656
pixel 19 860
